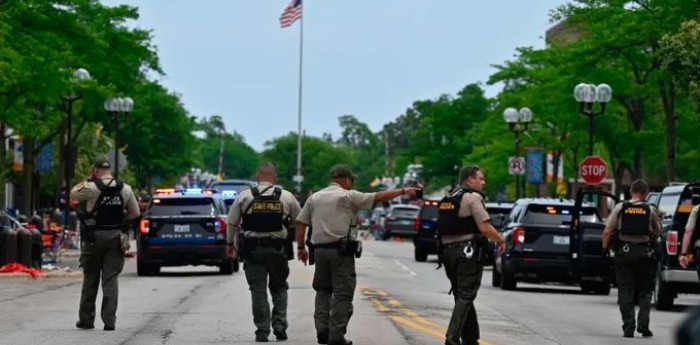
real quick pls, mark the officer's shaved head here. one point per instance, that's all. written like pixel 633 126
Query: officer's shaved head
pixel 267 171
pixel 639 187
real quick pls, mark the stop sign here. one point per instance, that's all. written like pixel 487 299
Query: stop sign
pixel 593 170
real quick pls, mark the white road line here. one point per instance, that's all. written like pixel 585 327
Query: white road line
pixel 405 268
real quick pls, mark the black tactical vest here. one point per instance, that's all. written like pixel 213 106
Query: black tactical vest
pixel 449 222
pixel 266 212
pixel 108 212
pixel 635 219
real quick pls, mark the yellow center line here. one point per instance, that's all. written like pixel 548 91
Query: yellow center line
pixel 413 320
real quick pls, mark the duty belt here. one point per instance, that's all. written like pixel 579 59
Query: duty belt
pixel 463 243
pixel 266 241
pixel 331 245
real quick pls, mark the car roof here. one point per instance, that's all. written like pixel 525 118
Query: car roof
pixel 546 201
pixel 235 182
pixel 414 207
pixel 500 204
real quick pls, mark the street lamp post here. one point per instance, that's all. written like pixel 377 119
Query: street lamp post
pixel 116 107
pixel 517 121
pixel 587 95
pixel 79 75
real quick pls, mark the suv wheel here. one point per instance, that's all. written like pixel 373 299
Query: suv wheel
pixel 663 294
pixel 495 276
pixel 508 282
pixel 236 265
pixel 227 267
pixel 143 269
pixel 420 254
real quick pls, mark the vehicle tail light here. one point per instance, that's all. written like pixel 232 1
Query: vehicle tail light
pixel 220 226
pixel 672 243
pixel 145 226
pixel 416 225
pixel 519 235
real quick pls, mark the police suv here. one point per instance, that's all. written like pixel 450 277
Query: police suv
pixel 183 227
pixel 553 240
pixel 675 204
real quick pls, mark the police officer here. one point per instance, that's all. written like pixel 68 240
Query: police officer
pixel 690 228
pixel 106 204
pixel 464 227
pixel 265 211
pixel 634 225
pixel 332 213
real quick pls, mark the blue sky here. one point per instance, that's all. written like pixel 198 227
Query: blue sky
pixel 369 58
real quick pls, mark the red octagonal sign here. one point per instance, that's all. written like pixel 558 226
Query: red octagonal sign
pixel 593 170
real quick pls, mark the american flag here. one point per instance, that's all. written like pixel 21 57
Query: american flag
pixel 291 13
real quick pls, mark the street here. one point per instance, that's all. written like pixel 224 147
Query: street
pixel 397 301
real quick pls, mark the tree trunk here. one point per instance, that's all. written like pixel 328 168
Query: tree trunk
pixel 555 171
pixel 668 98
pixel 3 164
pixel 28 173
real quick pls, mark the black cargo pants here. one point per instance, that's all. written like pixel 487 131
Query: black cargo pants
pixel 634 270
pixel 465 276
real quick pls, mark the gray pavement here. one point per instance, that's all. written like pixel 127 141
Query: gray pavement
pixel 398 301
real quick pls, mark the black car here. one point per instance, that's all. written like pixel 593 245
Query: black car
pixel 542 246
pixel 183 227
pixel 675 205
pixel 400 220
pixel 424 240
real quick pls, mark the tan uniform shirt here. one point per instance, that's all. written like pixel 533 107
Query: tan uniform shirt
pixel 332 212
pixel 472 204
pixel 290 210
pixel 87 191
pixel 655 226
pixel 693 218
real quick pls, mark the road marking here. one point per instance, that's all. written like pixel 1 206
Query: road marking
pixel 405 268
pixel 403 316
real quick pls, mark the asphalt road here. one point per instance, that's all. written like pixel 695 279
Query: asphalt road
pixel 398 301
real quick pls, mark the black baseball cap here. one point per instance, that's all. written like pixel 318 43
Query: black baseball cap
pixel 342 171
pixel 102 163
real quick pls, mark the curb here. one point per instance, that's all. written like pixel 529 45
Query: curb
pixel 46 276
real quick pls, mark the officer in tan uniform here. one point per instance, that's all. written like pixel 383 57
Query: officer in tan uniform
pixel 463 228
pixel 105 205
pixel 690 228
pixel 635 226
pixel 332 213
pixel 263 215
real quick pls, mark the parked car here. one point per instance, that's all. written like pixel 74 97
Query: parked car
pixel 539 246
pixel 424 240
pixel 675 204
pixel 400 220
pixel 363 220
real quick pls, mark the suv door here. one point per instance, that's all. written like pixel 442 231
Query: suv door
pixel 589 263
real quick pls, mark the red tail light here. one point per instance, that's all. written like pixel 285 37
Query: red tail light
pixel 519 235
pixel 220 226
pixel 145 226
pixel 416 225
pixel 672 243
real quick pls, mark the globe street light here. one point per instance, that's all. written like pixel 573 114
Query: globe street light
pixel 116 107
pixel 517 121
pixel 79 75
pixel 587 95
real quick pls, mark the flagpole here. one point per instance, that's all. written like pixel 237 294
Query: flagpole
pixel 299 177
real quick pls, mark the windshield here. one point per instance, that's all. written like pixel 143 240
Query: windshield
pixel 558 215
pixel 181 206
pixel 404 212
pixel 237 188
pixel 430 212
pixel 668 204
